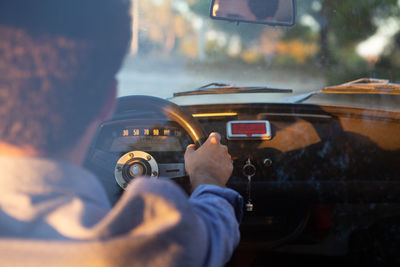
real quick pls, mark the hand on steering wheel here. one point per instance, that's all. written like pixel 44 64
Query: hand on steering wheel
pixel 209 164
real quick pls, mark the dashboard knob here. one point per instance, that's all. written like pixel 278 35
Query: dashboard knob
pixel 267 162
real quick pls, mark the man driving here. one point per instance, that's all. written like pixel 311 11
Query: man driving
pixel 58 61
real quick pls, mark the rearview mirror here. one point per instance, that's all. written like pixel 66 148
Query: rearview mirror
pixel 271 12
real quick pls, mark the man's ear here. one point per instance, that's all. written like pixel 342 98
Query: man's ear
pixel 109 104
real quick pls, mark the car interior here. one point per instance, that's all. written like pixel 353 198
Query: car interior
pixel 319 172
pixel 324 173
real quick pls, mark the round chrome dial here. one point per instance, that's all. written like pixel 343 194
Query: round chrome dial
pixel 135 164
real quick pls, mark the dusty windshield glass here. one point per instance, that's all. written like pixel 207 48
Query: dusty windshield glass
pixel 177 47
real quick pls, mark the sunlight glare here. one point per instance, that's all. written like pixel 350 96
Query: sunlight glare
pixel 375 45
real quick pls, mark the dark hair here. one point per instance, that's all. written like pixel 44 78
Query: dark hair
pixel 58 61
pixel 263 9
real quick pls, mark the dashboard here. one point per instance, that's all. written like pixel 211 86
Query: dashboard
pixel 323 172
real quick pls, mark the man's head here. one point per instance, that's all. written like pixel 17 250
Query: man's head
pixel 58 61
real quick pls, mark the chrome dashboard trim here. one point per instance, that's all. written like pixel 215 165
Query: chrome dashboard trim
pixel 232 136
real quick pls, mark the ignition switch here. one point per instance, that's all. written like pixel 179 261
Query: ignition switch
pixel 249 169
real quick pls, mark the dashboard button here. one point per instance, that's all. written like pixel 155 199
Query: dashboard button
pixel 267 162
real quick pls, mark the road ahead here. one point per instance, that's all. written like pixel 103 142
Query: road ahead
pixel 162 78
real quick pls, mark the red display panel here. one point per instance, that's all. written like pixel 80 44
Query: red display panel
pixel 258 130
pixel 249 129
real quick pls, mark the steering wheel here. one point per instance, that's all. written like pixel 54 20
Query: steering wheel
pixel 146 137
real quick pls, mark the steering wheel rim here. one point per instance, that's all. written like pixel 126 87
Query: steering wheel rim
pixel 133 107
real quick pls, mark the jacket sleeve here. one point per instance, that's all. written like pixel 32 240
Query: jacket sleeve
pixel 175 230
pixel 220 210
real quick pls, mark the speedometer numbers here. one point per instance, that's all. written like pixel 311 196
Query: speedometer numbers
pixel 150 132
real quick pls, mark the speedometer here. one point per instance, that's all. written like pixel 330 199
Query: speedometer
pixel 123 137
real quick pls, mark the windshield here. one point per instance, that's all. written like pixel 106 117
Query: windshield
pixel 177 47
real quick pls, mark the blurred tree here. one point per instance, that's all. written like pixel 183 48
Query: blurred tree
pixel 388 66
pixel 330 45
pixel 343 25
pixel 260 43
pixel 163 29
